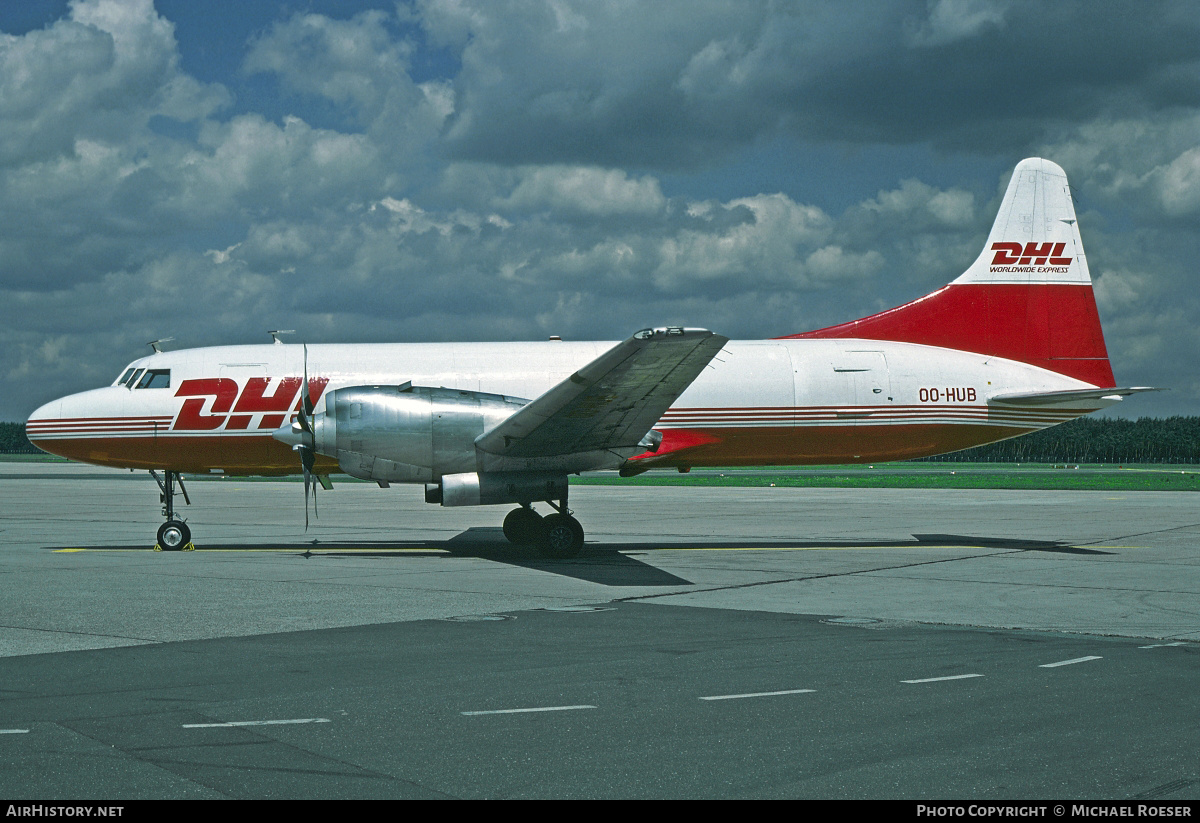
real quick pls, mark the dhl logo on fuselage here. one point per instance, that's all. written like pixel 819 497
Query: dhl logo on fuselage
pixel 1035 254
pixel 253 400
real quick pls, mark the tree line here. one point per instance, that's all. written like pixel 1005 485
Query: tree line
pixel 1096 440
pixel 14 441
pixel 1083 440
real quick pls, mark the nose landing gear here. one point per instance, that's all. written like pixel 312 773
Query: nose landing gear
pixel 174 535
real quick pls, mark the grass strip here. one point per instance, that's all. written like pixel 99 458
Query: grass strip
pixel 1048 481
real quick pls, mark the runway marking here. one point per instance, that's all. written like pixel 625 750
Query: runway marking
pixel 255 723
pixel 14 731
pixel 1069 662
pixel 317 550
pixel 297 549
pixel 937 679
pixel 812 548
pixel 757 694
pixel 428 549
pixel 324 550
pixel 1163 645
pixel 524 711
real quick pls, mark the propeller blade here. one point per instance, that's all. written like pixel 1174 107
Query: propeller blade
pixel 307 459
pixel 307 481
pixel 306 446
pixel 306 400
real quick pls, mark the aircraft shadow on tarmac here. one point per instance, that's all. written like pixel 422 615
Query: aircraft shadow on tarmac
pixel 610 564
pixel 1009 543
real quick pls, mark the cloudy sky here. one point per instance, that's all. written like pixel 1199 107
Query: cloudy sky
pixel 482 170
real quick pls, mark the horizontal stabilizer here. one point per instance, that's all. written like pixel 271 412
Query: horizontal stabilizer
pixel 1069 399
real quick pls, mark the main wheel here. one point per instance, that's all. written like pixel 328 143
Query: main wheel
pixel 174 535
pixel 563 536
pixel 522 526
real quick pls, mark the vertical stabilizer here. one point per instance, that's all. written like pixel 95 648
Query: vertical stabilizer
pixel 1027 297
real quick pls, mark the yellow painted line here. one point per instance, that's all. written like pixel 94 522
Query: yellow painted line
pixel 368 549
pixel 811 548
pixel 323 550
pixel 310 549
pixel 1110 547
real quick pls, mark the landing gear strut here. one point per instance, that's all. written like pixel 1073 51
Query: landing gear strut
pixel 174 535
pixel 556 535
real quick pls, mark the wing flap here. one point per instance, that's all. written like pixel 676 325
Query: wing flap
pixel 612 402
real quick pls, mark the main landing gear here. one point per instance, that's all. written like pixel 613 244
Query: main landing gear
pixel 557 535
pixel 174 535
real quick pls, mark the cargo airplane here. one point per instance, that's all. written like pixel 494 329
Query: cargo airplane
pixel 1011 346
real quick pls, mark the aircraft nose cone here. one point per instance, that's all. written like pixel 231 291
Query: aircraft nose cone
pixel 49 411
pixel 43 422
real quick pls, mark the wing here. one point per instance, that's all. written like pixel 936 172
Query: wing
pixel 609 404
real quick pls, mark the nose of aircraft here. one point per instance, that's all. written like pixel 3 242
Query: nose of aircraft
pixel 44 424
pixel 85 426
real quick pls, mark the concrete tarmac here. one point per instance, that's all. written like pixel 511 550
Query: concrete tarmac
pixel 864 643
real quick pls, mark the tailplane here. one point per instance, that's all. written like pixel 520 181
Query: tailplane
pixel 1027 297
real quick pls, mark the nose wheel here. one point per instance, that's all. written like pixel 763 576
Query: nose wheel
pixel 174 535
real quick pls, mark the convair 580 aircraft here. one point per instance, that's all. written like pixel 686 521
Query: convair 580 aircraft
pixel 1011 346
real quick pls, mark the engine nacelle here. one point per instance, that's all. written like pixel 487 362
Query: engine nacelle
pixel 406 434
pixel 488 488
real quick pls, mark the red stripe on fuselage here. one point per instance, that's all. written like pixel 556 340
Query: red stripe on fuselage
pixel 694 446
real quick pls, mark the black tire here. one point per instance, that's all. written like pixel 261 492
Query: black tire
pixel 174 535
pixel 522 526
pixel 562 537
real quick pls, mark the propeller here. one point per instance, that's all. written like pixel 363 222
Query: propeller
pixel 303 427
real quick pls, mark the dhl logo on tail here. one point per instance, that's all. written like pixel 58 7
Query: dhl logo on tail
pixel 1039 254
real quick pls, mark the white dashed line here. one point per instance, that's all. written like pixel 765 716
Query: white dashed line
pixel 1162 645
pixel 937 679
pixel 523 711
pixel 255 723
pixel 1069 662
pixel 14 731
pixel 757 694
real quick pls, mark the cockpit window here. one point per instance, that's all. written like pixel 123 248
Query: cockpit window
pixel 155 379
pixel 125 377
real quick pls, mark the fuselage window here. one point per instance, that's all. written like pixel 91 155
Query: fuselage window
pixel 155 379
pixel 125 377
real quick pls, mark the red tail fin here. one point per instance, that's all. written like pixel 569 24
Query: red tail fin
pixel 1027 297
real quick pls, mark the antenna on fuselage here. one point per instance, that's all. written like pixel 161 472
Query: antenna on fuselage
pixel 157 344
pixel 275 335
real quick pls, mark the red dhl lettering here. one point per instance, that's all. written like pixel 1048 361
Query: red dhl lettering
pixel 253 399
pixel 1037 254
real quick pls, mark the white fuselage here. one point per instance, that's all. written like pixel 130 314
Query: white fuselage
pixel 767 402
